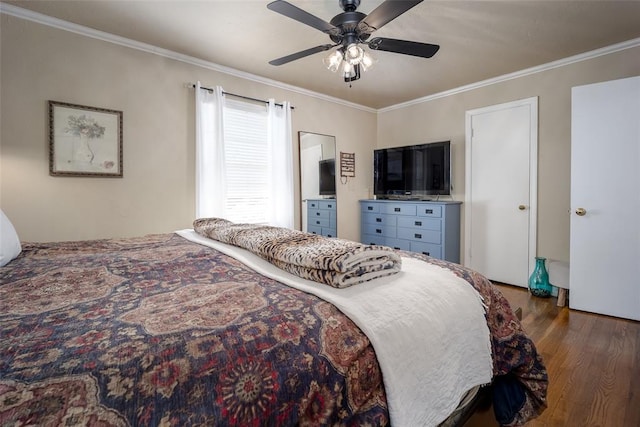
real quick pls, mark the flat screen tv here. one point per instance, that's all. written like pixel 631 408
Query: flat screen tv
pixel 412 172
pixel 327 171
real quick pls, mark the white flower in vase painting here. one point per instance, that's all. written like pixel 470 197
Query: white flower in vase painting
pixel 87 129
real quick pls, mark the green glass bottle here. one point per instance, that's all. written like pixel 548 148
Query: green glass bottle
pixel 539 281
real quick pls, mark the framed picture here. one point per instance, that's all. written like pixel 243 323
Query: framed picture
pixel 347 164
pixel 84 141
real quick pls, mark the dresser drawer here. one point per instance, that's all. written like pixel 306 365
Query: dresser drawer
pixel 318 213
pixel 420 223
pixel 370 239
pixel 414 234
pixel 327 204
pixel 318 222
pixel 398 244
pixel 329 232
pixel 379 219
pixel 399 209
pixel 430 210
pixel 313 204
pixel 379 230
pixel 370 207
pixel 314 230
pixel 434 251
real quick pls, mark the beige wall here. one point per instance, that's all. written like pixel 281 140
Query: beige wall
pixel 156 194
pixel 444 118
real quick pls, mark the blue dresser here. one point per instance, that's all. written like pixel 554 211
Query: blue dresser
pixel 322 217
pixel 432 228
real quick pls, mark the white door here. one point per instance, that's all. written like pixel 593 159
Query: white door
pixel 605 198
pixel 501 190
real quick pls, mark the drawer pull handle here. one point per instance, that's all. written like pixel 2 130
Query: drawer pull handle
pixel 317 213
pixel 426 253
pixel 329 235
pixel 379 231
pixel 417 236
pixel 369 208
pixel 378 219
pixel 318 222
pixel 395 247
pixel 428 211
pixel 330 206
pixel 396 209
pixel 418 223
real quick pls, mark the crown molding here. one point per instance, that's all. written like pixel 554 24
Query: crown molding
pixel 60 24
pixel 522 73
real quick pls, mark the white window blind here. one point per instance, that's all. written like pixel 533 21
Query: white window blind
pixel 247 160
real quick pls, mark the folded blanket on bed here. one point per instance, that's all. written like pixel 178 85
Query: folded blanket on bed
pixel 335 262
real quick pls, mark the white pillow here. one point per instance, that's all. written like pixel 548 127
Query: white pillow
pixel 9 242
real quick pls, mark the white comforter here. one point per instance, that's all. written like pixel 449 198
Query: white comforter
pixel 426 325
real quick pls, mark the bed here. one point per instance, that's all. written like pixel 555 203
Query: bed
pixel 182 329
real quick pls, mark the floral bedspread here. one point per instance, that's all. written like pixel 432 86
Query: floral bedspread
pixel 162 331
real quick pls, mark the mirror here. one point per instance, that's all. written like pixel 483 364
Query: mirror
pixel 317 164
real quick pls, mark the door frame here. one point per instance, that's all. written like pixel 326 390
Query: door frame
pixel 532 103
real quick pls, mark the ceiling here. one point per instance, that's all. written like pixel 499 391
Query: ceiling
pixel 478 40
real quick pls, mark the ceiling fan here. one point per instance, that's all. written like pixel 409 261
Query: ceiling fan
pixel 350 29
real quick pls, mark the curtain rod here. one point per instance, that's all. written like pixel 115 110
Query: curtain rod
pixel 240 96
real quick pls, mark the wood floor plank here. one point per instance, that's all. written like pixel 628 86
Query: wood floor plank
pixel 593 363
pixel 613 386
pixel 632 412
pixel 588 398
pixel 567 377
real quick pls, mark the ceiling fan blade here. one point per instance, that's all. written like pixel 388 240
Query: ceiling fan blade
pixel 301 54
pixel 385 13
pixel 424 50
pixel 294 12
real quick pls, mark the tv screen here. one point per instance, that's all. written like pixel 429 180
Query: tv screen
pixel 327 171
pixel 415 171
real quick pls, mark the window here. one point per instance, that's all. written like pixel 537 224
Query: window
pixel 246 158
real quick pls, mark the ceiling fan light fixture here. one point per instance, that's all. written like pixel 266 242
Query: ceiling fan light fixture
pixel 350 60
pixel 348 30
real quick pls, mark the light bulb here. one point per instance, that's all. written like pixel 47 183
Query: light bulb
pixel 348 70
pixel 333 60
pixel 367 61
pixel 353 54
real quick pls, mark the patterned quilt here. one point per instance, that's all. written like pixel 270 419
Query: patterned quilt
pixel 162 331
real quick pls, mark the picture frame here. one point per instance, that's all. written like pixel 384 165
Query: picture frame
pixel 347 164
pixel 84 141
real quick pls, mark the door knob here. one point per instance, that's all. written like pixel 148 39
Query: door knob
pixel 522 207
pixel 581 212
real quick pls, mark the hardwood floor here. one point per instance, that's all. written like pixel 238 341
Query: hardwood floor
pixel 593 364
